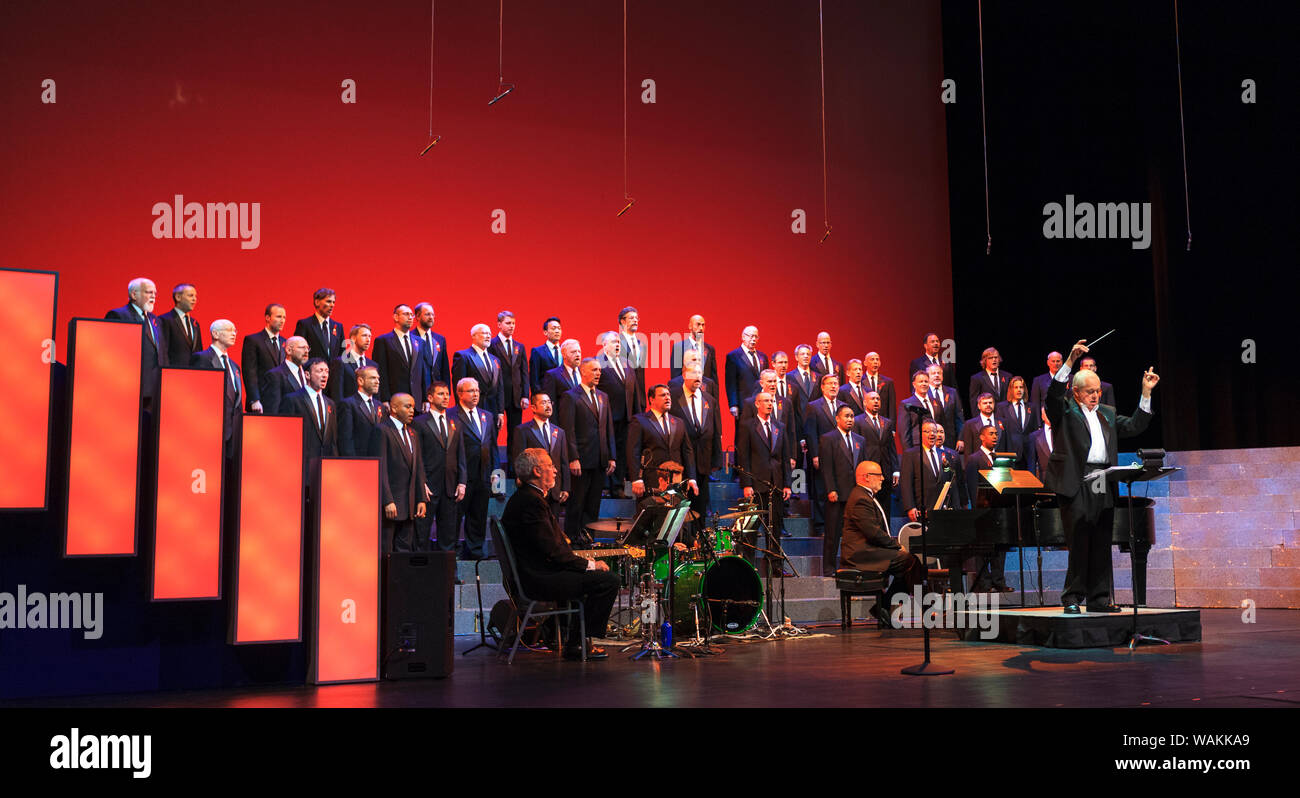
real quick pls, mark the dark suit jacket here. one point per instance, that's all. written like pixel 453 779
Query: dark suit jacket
pixel 742 380
pixel 909 430
pixel 514 371
pixel 309 328
pixel 866 543
pixel 922 362
pixel 258 356
pixel 181 348
pixel 970 433
pixel 980 383
pixel 706 437
pixel 1015 437
pixel 838 464
pixel 915 472
pixel 644 435
pixel 1038 392
pixel 153 350
pixel 782 410
pixel 396 373
pixel 817 423
pixel 539 545
pixel 317 441
pixel 355 425
pixel 232 409
pixel 801 397
pixel 976 462
pixel 555 383
pixel 638 369
pixel 884 387
pixel 433 365
pixel 589 428
pixel 622 392
pixel 950 415
pixel 855 402
pixel 768 463
pixel 1071 439
pixel 710 387
pixel 491 386
pixel 540 361
pixel 708 367
pixel 401 472
pixel 481 447
pixel 1107 393
pixel 277 386
pixel 443 458
pixel 343 378
pixel 1039 455
pixel 819 368
pixel 528 436
pixel 880 446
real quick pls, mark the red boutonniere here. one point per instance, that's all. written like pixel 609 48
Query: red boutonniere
pixel 452 424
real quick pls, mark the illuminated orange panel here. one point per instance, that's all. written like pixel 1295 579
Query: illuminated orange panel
pixel 347 596
pixel 27 317
pixel 268 590
pixel 104 453
pixel 187 541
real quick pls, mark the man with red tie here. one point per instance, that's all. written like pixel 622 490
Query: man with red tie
pixel 401 476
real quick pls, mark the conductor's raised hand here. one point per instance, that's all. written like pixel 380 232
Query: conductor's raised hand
pixel 1080 349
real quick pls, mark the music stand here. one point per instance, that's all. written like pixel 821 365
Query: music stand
pixel 1008 481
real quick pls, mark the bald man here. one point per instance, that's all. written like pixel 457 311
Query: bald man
pixel 281 382
pixel 867 544
pixel 744 365
pixel 694 342
pixel 485 368
pixel 1085 439
pixel 219 357
pixel 402 492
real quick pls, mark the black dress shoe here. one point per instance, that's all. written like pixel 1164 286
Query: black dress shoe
pixel 1003 588
pixel 1071 609
pixel 593 652
pixel 1103 608
pixel 881 615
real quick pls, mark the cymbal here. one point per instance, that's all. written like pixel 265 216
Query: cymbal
pixel 691 515
pixel 610 525
pixel 741 514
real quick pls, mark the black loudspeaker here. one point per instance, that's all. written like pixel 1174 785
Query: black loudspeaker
pixel 418 620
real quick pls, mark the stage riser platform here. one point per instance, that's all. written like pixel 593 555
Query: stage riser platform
pixel 1050 628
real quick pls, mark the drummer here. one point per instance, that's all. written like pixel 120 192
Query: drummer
pixel 669 473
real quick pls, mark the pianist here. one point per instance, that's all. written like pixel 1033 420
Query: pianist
pixel 548 568
pixel 866 543
pixel 1085 435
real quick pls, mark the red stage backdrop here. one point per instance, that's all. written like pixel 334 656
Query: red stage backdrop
pixel 242 102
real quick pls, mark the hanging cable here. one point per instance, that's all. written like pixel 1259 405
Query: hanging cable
pixel 984 126
pixel 503 88
pixel 626 196
pixel 433 13
pixel 1182 127
pixel 821 54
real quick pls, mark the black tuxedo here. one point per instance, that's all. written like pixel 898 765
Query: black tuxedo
pixel 153 350
pixel 881 449
pixel 310 328
pixel 277 386
pixel 317 441
pixel 433 364
pixel 401 482
pixel 343 377
pixel 868 545
pixel 838 466
pixel 854 401
pixel 622 392
pixel 704 428
pixel 356 423
pixel 742 379
pixel 232 410
pixel 556 382
pixel 708 365
pixel 491 385
pixel 480 445
pixel 1086 514
pixel 1015 435
pixel 589 426
pixel 548 568
pixel 181 344
pixel 397 372
pixel 540 361
pixel 981 382
pixel 528 436
pixel 258 356
pixel 646 437
pixel 443 457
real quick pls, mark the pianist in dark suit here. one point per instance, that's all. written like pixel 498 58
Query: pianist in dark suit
pixel 867 544
pixel 548 568
pixel 1085 436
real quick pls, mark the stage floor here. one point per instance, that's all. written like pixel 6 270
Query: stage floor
pixel 1236 665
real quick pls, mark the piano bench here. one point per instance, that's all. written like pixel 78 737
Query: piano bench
pixel 852 582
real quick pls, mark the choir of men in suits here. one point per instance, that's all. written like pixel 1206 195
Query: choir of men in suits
pixel 985 416
pixel 839 452
pixel 868 544
pixel 1107 390
pixel 548 568
pixel 873 380
pixel 618 381
pixel 930 356
pixel 262 351
pixel 545 356
pixel 588 423
pixel 446 475
pixel 656 437
pixel 566 376
pixel 947 406
pixel 541 433
pixel 433 347
pixel 744 365
pixel 284 380
pixel 359 411
pixel 1018 421
pixel 694 342
pixel 217 356
pixel 880 444
pixel 402 492
pixel 701 412
pixel 479 437
pixel 1039 390
pixel 181 334
pixel 634 352
pixel 989 569
pixel 344 368
pixel 321 431
pixel 763 452
pixel 822 363
pixel 399 356
pixel 990 378
pixel 141 295
pixel 514 376
pixel 1086 436
pixel 819 419
pixel 477 362
pixel 323 334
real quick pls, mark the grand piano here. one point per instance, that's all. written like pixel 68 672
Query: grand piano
pixel 988 529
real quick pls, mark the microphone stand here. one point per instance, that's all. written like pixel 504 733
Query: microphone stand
pixel 773 553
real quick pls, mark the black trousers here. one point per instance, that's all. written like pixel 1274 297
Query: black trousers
pixel 403 535
pixel 620 456
pixel 441 523
pixel 514 417
pixel 990 570
pixel 817 498
pixel 700 505
pixel 597 591
pixel 908 572
pixel 473 515
pixel 1088 519
pixel 584 503
pixel 834 515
